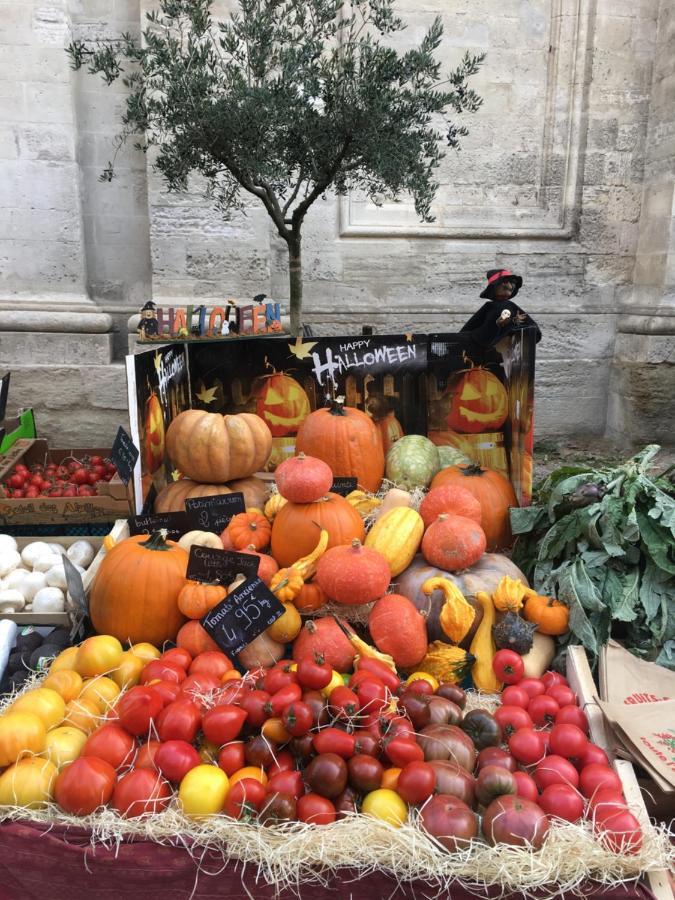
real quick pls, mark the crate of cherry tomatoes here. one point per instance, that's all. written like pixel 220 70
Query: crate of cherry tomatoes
pixel 42 485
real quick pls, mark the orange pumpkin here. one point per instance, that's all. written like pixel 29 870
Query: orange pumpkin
pixel 325 637
pixel 353 574
pixel 153 450
pixel 172 497
pixel 453 543
pixel 449 498
pixel 311 597
pixel 479 402
pixel 281 402
pixel 391 431
pixel 297 527
pixel 135 593
pixel 249 529
pixel 211 448
pixel 303 479
pixel 495 495
pixel 347 440
pixel 551 615
pixel 399 629
pixel 267 567
pixel 193 638
pixel 196 599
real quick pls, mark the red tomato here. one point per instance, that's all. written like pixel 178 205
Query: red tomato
pixel 223 724
pixel 403 750
pixel 167 690
pixel 316 810
pixel 555 770
pixel 211 662
pixel 146 756
pixel 421 686
pixel 533 686
pixel 550 678
pixel 514 695
pixel 508 666
pixel 245 798
pixel 572 715
pixel 84 785
pixel 179 721
pixel 112 744
pixel 232 757
pixel 568 741
pixel 526 787
pixel 288 782
pixel 297 718
pixel 373 695
pixel 162 670
pixel 255 703
pixel 543 710
pixel 563 695
pixel 327 775
pixel 621 832
pixel 283 762
pixel 593 754
pixel 527 746
pixel 179 656
pixel 314 673
pixel 597 777
pixel 140 791
pixel 416 782
pixel 396 726
pixel 197 685
pixel 384 673
pixel 606 802
pixel 282 698
pixel 344 703
pixel 138 708
pixel 333 740
pixel 174 759
pixel 562 801
pixel 367 744
pixel 280 676
pixel 511 719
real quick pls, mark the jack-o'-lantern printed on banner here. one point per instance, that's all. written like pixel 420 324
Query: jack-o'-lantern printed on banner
pixel 281 402
pixel 479 403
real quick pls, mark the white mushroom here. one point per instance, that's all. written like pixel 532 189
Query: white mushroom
pixel 32 583
pixel 32 552
pixel 49 600
pixel 57 548
pixel 56 577
pixel 81 553
pixel 14 580
pixel 7 542
pixel 45 563
pixel 11 601
pixel 9 560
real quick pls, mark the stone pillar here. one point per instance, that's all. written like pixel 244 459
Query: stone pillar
pixel 642 388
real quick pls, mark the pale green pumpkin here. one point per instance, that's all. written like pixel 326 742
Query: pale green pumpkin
pixel 412 462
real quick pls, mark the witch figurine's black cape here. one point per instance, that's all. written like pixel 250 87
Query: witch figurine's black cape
pixel 500 316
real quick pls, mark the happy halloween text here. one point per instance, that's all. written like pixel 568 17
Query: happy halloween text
pixel 349 358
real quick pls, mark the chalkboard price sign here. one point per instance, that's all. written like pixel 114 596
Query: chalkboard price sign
pixel 242 616
pixel 210 565
pixel 175 523
pixel 213 513
pixel 124 454
pixel 343 485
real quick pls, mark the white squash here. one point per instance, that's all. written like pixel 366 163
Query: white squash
pixel 9 560
pixel 200 539
pixel 56 577
pixel 81 553
pixel 45 563
pixel 49 600
pixel 11 601
pixel 31 553
pixel 540 656
pixel 7 542
pixel 32 583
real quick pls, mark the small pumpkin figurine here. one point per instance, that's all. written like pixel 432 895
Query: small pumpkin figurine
pixel 550 615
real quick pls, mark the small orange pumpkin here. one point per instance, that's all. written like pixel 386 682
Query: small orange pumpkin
pixel 551 615
pixel 196 599
pixel 311 597
pixel 453 543
pixel 193 638
pixel 249 529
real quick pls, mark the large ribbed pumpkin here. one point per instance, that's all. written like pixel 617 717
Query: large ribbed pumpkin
pixel 281 402
pixel 354 574
pixel 495 495
pixel 172 497
pixel 479 402
pixel 208 447
pixel 348 440
pixel 135 593
pixel 153 448
pixel 412 462
pixel 297 527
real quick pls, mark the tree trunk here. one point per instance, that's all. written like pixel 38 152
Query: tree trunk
pixel 295 279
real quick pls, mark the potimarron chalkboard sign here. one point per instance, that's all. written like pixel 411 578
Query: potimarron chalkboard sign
pixel 214 566
pixel 242 616
pixel 213 513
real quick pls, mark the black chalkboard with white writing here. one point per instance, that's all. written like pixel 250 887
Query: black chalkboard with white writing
pixel 242 616
pixel 343 485
pixel 124 454
pixel 176 524
pixel 210 565
pixel 213 513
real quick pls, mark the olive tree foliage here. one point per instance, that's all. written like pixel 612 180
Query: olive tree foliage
pixel 284 100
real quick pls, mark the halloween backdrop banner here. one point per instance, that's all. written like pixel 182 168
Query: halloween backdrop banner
pixel 475 403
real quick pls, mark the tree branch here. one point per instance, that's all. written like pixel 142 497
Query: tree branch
pixel 321 185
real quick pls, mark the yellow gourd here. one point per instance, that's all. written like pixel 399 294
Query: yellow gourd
pixel 306 567
pixel 509 595
pixel 287 584
pixel 273 506
pixel 363 502
pixel 483 648
pixel 445 662
pixel 397 536
pixel 456 616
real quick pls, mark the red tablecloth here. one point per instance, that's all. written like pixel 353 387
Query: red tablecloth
pixel 37 863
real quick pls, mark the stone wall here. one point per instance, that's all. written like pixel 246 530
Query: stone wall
pixel 566 177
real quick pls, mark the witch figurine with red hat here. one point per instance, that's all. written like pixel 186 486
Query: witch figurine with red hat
pixel 500 316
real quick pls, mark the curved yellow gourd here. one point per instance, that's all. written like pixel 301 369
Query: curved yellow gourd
pixel 457 615
pixel 483 648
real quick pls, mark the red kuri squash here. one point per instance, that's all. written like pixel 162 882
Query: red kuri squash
pixel 325 637
pixel 453 543
pixel 303 479
pixel 353 574
pixel 399 629
pixel 449 498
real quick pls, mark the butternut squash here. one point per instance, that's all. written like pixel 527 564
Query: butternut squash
pixel 397 536
pixel 393 498
pixel 539 658
pixel 483 648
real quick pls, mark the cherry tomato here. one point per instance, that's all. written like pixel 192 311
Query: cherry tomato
pixel 542 710
pixel 316 810
pixel 593 754
pixel 563 695
pixel 508 666
pixel 568 741
pixel 84 785
pixel 140 791
pixel 174 760
pixel 597 777
pixel 572 715
pixel 255 703
pixel 259 751
pixel 550 678
pixel 562 801
pixel 533 686
pixel 367 744
pixel 526 787
pixel 297 718
pixel 335 741
pixel 373 695
pixel 526 745
pixel 211 662
pixel 317 703
pixel 146 756
pixel 403 750
pixel 278 807
pixel 179 721
pixel 223 724
pixel 282 698
pixel 416 782
pixel 232 757
pixel 344 703
pixel 514 695
pixel 245 798
pixel 197 686
pixel 138 708
pixel 283 762
pixel 555 770
pixel 313 673
pixel 365 772
pixel 511 718
pixel 421 686
pixel 111 743
pixel 288 782
pixel 327 775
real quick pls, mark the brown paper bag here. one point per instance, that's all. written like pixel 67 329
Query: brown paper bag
pixel 631 681
pixel 647 731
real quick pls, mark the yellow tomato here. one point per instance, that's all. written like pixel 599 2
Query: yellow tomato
pixel 423 676
pixel 386 805
pixel 65 682
pixel 203 791
pixel 98 655
pixel 83 714
pixel 145 651
pixel 21 734
pixel 335 681
pixel 65 660
pixel 63 745
pixel 390 778
pixel 128 672
pixel 287 626
pixel 28 783
pixel 45 703
pixel 256 772
pixel 273 729
pixel 103 691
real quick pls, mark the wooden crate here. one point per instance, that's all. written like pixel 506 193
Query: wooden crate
pixel 581 681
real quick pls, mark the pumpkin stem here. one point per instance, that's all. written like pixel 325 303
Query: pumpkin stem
pixel 356 544
pixel 156 541
pixel 301 455
pixel 471 469
pixel 337 406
